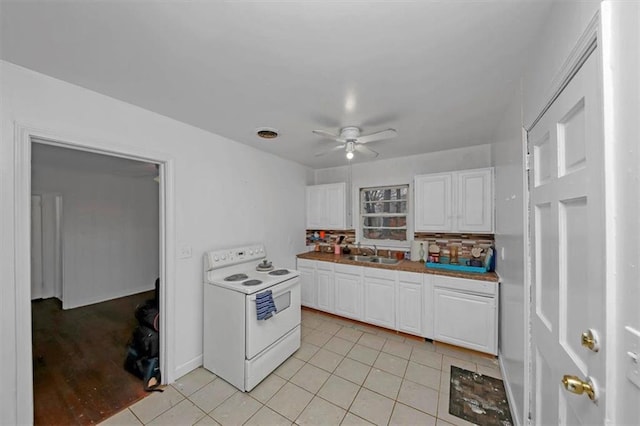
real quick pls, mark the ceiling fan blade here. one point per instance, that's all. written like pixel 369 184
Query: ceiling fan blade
pixel 366 150
pixel 326 134
pixel 335 148
pixel 384 134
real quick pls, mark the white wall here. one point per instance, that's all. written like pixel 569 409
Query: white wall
pixel 507 158
pixel 226 194
pixel 620 45
pixel 110 228
pixel 402 170
pixel 566 22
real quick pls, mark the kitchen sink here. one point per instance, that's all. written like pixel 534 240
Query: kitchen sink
pixel 374 259
pixel 360 258
pixel 384 260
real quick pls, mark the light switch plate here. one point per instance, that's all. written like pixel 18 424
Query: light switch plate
pixel 184 252
pixel 632 351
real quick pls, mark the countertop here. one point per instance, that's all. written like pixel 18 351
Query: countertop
pixel 403 265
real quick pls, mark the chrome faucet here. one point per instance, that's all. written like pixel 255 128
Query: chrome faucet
pixel 375 250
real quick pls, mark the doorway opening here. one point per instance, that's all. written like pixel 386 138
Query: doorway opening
pixel 27 141
pixel 92 263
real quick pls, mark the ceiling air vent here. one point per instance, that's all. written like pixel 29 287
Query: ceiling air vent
pixel 267 133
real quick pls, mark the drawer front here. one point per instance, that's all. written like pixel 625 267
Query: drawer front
pixel 384 274
pixel 410 277
pixel 305 263
pixel 324 266
pixel 462 284
pixel 348 269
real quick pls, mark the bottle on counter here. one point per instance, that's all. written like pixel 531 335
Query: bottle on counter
pixel 453 258
pixel 422 252
pixel 336 249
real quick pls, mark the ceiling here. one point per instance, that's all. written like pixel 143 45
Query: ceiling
pixel 439 72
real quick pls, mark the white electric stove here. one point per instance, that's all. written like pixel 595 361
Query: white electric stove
pixel 240 345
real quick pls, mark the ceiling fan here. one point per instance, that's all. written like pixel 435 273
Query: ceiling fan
pixel 351 140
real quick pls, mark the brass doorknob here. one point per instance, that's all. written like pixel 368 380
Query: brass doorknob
pixel 576 385
pixel 589 339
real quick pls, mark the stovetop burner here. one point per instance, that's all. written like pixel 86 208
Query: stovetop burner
pixel 252 282
pixel 279 272
pixel 236 277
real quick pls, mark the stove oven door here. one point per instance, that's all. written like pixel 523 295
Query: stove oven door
pixel 263 333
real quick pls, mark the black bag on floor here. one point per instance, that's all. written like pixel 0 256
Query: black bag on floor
pixel 146 341
pixel 148 314
pixel 147 369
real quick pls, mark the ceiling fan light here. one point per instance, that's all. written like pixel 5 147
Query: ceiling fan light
pixel 351 146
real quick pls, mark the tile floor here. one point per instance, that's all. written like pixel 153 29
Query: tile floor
pixel 344 373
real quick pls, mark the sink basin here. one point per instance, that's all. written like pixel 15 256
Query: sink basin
pixel 360 258
pixel 374 259
pixel 384 260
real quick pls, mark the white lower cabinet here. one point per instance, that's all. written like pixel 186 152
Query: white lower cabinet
pixel 379 297
pixel 308 291
pixel 348 291
pixel 465 313
pixel 325 286
pixel 409 303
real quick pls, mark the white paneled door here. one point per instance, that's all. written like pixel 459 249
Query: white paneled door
pixel 568 235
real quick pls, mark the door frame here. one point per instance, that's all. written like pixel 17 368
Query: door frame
pixel 39 259
pixel 52 201
pixel 24 136
pixel 589 42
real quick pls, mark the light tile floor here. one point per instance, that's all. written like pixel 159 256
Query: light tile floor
pixel 344 373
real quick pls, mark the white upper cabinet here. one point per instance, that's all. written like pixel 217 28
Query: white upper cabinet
pixel 475 200
pixel 326 206
pixel 433 196
pixel 459 201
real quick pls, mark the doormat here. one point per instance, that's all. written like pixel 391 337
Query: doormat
pixel 478 399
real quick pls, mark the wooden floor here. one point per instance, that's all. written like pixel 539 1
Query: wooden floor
pixel 78 356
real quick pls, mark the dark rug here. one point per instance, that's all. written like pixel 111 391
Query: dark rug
pixel 478 399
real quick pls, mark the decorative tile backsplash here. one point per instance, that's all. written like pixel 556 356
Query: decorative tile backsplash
pixel 330 237
pixel 465 242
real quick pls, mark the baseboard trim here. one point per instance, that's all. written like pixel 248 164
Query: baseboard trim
pixel 515 415
pixel 187 367
pixel 106 297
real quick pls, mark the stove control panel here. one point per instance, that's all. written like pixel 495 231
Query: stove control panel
pixel 227 257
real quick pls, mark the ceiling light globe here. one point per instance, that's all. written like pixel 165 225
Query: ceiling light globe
pixel 349 155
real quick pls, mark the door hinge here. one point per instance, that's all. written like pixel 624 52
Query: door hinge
pixel 527 162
